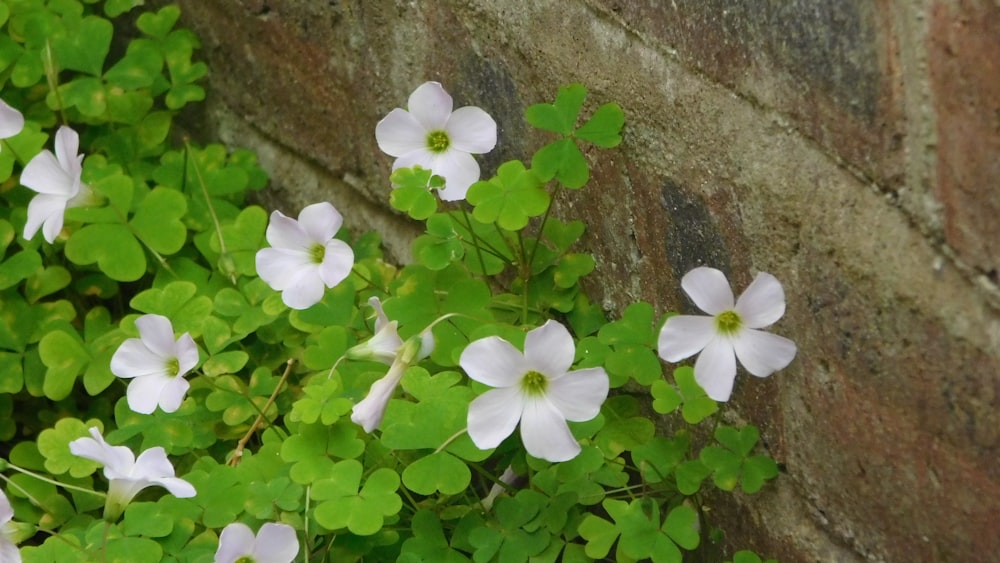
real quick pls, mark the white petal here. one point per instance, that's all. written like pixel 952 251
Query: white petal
pixel 67 144
pixel 172 394
pixel 133 359
pixel 715 370
pixel 9 551
pixel 545 434
pixel 579 395
pixel 121 491
pixel 144 393
pixel 459 170
pixel 399 133
pixel 45 211
pixel 305 290
pixel 186 353
pixel 276 543
pixel 6 511
pixel 709 289
pixel 11 123
pixel 549 349
pixel 493 416
pixel 157 334
pixel 286 233
pixel 320 221
pixel 493 361
pixel 763 353
pixel 177 487
pixel 381 320
pixel 471 129
pixel 279 267
pixel 338 259
pixel 421 157
pixel 430 105
pixel 685 335
pixel 763 302
pixel 368 412
pixel 152 464
pixel 117 459
pixel 44 175
pixel 235 541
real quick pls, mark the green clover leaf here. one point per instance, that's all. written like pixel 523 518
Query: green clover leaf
pixel 733 462
pixel 439 471
pixel 411 192
pixel 560 116
pixel 510 198
pixel 342 505
pixel 604 127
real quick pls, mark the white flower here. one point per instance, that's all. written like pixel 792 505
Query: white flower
pixel 508 477
pixel 387 347
pixel 274 543
pixel 11 123
pixel 156 363
pixel 534 388
pixel 729 331
pixel 56 178
pixel 127 474
pixel 304 258
pixel 438 139
pixel 8 550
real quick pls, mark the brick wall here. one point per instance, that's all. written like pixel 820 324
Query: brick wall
pixel 850 148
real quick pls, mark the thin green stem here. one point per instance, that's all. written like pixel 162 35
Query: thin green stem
pixel 366 279
pixel 50 481
pixel 52 77
pixel 238 453
pixel 451 439
pixel 208 202
pixel 475 240
pixel 541 229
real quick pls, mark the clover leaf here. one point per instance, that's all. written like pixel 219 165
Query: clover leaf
pixel 510 198
pixel 733 463
pixel 343 505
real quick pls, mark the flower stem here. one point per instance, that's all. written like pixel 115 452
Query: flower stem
pixel 238 453
pixel 451 439
pixel 47 480
pixel 475 240
pixel 208 202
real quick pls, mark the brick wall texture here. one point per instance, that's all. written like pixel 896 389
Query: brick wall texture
pixel 851 148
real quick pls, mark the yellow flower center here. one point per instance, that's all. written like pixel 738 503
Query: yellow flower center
pixel 534 384
pixel 317 253
pixel 173 367
pixel 438 141
pixel 728 322
pixel 245 559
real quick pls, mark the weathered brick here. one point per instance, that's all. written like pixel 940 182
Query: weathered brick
pixel 964 57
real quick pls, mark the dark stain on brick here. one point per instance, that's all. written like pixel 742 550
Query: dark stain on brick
pixel 693 237
pixel 486 83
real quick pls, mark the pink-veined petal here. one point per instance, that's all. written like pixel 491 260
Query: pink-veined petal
pixel 709 289
pixel 157 334
pixel 493 416
pixel 45 211
pixel 67 144
pixel 459 170
pixel 762 303
pixel 11 123
pixel 493 361
pixel 172 394
pixel 400 133
pixel 276 543
pixel 683 336
pixel 545 433
pixel 286 233
pixel 338 259
pixel 763 353
pixel 430 105
pixel 117 459
pixel 715 369
pixel 133 359
pixel 235 541
pixel 549 349
pixel 144 393
pixel 44 175
pixel 187 354
pixel 320 221
pixel 470 129
pixel 579 394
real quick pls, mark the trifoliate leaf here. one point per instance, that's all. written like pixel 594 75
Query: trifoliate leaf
pixel 563 161
pixel 510 198
pixel 115 250
pixel 439 471
pixel 559 117
pixel 157 220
